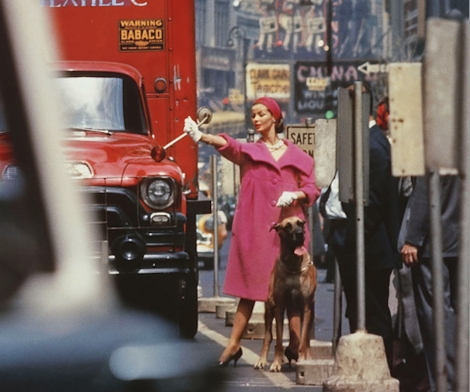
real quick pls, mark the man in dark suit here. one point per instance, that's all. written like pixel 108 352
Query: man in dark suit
pixel 416 253
pixel 381 224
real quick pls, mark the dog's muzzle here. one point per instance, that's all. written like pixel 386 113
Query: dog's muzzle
pixel 297 236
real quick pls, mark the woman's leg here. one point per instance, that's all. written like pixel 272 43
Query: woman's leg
pixel 242 316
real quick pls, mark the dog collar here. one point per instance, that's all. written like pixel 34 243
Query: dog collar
pixel 308 265
pixel 302 269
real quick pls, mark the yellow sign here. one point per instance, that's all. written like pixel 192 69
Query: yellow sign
pixel 141 34
pixel 235 96
pixel 317 84
pixel 268 79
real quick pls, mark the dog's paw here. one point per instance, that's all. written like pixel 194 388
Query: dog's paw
pixel 261 364
pixel 275 367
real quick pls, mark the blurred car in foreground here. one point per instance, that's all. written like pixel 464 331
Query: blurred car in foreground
pixel 62 327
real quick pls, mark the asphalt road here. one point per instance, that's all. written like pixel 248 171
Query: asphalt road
pixel 213 335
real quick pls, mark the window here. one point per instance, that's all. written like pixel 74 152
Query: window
pixel 101 102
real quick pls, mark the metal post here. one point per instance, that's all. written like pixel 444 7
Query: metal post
pixel 338 305
pixel 437 283
pixel 359 202
pixel 462 333
pixel 215 235
pixel 238 33
pixel 329 42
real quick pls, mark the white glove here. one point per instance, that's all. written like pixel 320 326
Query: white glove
pixel 190 127
pixel 286 199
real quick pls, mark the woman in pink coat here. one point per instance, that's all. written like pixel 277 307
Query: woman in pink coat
pixel 277 181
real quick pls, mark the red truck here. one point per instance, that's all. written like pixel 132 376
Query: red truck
pixel 126 81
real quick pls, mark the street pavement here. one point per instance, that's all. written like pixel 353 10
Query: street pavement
pixel 213 335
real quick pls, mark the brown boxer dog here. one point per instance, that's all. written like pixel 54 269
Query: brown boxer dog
pixel 292 289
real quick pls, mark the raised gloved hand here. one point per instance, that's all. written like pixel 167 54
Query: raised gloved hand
pixel 286 199
pixel 191 128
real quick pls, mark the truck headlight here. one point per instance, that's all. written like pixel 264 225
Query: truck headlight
pixel 157 193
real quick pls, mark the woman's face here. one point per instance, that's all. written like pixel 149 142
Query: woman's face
pixel 263 120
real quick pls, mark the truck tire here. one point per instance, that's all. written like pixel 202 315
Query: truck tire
pixel 188 315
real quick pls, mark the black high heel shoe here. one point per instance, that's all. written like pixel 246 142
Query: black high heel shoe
pixel 235 357
pixel 291 355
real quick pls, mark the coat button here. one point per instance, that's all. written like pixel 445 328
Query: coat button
pixel 273 203
pixel 275 181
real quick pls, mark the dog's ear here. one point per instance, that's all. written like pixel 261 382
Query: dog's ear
pixel 275 226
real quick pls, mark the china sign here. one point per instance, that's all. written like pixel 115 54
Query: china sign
pixel 313 86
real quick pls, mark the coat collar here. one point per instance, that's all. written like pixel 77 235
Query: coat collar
pixel 294 156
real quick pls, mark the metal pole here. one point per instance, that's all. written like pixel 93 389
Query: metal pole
pixel 359 202
pixel 329 42
pixel 215 235
pixel 462 333
pixel 338 305
pixel 437 283
pixel 245 99
pixel 311 226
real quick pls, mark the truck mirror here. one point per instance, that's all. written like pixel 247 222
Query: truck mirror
pixel 204 115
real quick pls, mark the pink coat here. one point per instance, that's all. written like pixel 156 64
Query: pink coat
pixel 254 246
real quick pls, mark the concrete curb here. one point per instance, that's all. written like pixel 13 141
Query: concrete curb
pixel 209 304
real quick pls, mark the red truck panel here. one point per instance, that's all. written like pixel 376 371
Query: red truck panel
pixel 155 37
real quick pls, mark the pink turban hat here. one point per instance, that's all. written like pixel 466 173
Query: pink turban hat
pixel 272 106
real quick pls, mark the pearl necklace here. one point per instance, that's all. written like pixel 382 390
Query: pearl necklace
pixel 276 146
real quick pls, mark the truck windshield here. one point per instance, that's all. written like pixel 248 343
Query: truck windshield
pixel 101 103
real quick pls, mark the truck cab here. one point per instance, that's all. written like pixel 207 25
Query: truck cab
pixel 125 83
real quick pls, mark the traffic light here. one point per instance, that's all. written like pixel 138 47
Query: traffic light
pixel 330 106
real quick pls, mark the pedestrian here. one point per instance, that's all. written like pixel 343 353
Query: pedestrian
pixel 383 112
pixel 381 224
pixel 409 364
pixel 416 253
pixel 404 183
pixel 334 220
pixel 277 180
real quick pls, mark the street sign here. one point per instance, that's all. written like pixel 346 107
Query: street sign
pixel 268 79
pixel 319 141
pixel 406 119
pixel 236 97
pixel 303 136
pixel 346 147
pixel 441 98
pixel 317 83
pixel 368 68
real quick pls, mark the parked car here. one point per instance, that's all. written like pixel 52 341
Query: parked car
pixel 205 238
pixel 205 233
pixel 228 204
